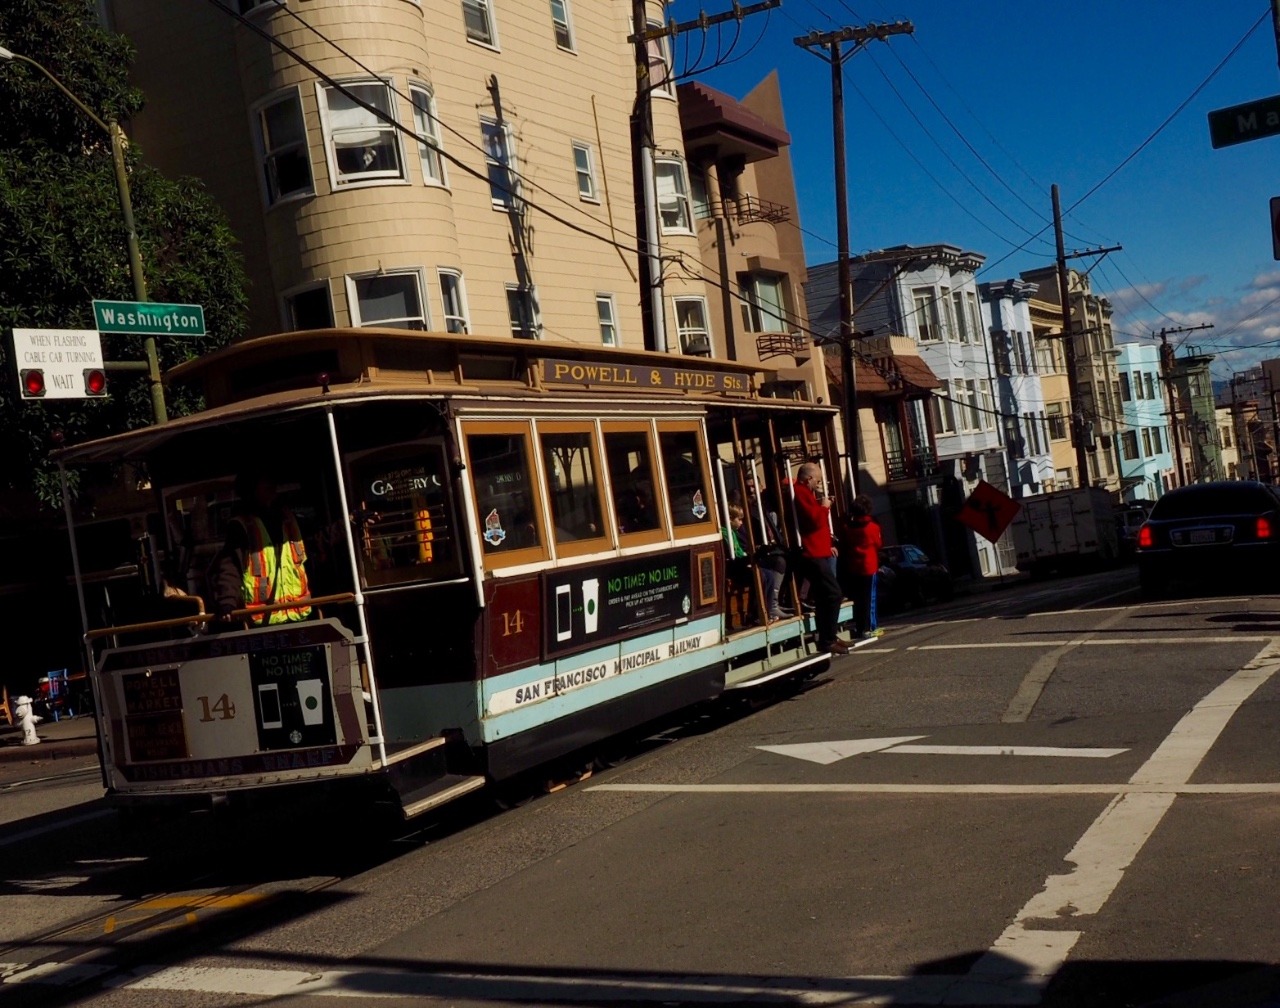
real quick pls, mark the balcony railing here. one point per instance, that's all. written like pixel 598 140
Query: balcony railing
pixel 782 344
pixel 901 466
pixel 751 209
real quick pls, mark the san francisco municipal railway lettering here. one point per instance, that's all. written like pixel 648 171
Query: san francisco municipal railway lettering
pixel 564 682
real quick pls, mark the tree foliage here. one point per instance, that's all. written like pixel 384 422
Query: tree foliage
pixel 62 237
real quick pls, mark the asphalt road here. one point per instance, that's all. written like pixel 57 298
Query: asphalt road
pixel 1048 795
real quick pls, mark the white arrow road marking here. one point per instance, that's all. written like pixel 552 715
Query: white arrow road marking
pixel 1016 750
pixel 831 752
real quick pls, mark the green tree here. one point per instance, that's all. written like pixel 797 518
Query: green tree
pixel 62 237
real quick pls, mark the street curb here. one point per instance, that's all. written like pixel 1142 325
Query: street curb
pixel 52 750
pixel 12 751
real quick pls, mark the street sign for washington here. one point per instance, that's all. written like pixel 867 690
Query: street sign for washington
pixel 149 318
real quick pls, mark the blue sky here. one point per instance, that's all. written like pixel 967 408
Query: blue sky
pixel 1044 93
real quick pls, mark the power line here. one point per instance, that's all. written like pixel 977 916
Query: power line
pixel 1174 114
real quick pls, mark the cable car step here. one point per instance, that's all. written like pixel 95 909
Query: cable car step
pixel 438 792
pixel 811 665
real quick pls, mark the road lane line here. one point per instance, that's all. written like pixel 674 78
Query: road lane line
pixel 1033 684
pixel 1109 846
pixel 1087 642
pixel 1236 788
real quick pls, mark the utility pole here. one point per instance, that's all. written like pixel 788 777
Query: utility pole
pixel 644 151
pixel 1275 428
pixel 1073 377
pixel 827 46
pixel 1167 365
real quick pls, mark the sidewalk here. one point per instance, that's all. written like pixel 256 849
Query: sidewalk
pixel 59 740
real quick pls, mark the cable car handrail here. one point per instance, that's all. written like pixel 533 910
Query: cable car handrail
pixel 205 617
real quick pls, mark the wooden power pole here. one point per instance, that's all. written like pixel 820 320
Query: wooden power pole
pixel 827 46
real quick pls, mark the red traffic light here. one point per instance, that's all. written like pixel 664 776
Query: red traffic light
pixel 95 382
pixel 32 383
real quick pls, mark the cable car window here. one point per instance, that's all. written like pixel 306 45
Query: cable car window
pixel 572 469
pixel 638 508
pixel 508 511
pixel 689 494
pixel 403 520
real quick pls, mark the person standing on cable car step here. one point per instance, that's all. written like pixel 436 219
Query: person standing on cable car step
pixel 263 561
pixel 813 515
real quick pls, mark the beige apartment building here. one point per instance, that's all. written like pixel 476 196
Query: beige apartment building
pixel 497 192
pixel 1051 363
pixel 1097 379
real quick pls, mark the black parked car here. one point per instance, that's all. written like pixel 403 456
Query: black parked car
pixel 1218 536
pixel 907 577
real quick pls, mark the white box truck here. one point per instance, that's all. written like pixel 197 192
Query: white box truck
pixel 1065 530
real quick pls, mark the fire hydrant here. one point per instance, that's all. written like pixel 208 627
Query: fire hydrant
pixel 27 718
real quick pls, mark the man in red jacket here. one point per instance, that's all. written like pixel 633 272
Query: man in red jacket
pixel 813 515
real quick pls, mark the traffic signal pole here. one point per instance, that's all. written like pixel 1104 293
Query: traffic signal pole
pixel 116 136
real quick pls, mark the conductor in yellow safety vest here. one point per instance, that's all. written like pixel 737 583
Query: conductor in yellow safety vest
pixel 263 561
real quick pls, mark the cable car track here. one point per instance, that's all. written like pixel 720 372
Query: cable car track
pixel 106 943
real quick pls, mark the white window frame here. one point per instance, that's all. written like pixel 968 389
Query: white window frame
pixel 562 23
pixel 607 314
pixel 483 10
pixel 1146 443
pixel 944 410
pixel 420 287
pixel 975 315
pixel 586 174
pixel 491 129
pixel 452 288
pixel 267 154
pixel 678 195
pixel 764 315
pixel 972 416
pixel 688 336
pixel 372 177
pixel 662 81
pixel 1129 445
pixel 924 302
pixel 959 320
pixel 288 298
pixel 1043 354
pixel 426 123
pixel 986 404
pixel 529 300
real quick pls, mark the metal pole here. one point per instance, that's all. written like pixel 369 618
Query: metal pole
pixel 116 136
pixel 158 410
